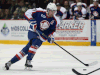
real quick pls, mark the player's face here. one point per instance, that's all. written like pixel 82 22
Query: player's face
pixel 51 13
pixel 58 7
pixel 95 3
pixel 65 3
pixel 77 0
pixel 79 7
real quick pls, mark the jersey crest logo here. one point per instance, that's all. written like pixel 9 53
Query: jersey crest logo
pixel 43 16
pixel 44 25
pixel 95 13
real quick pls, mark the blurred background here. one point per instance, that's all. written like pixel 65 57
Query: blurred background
pixel 14 9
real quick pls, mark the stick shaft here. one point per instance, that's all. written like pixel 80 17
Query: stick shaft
pixel 69 53
pixel 94 71
pixel 76 72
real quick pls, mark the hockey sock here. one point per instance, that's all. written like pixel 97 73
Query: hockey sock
pixel 31 52
pixel 21 54
pixel 30 56
pixel 17 57
pixel 14 59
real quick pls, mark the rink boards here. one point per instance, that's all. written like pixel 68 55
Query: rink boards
pixel 69 32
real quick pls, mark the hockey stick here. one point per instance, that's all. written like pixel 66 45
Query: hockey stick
pixel 91 64
pixel 76 72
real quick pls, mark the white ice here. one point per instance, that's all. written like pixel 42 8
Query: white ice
pixel 51 60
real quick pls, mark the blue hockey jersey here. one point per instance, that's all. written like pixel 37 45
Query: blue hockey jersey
pixel 80 14
pixel 45 24
pixel 74 5
pixel 62 13
pixel 95 11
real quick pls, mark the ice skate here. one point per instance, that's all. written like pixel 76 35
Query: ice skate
pixel 28 65
pixel 7 65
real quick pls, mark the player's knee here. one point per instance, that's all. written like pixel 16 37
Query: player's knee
pixel 37 42
pixel 25 49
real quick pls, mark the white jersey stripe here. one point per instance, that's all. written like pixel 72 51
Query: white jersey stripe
pixel 32 49
pixel 20 55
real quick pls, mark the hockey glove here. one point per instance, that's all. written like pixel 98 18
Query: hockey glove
pixel 33 24
pixel 51 40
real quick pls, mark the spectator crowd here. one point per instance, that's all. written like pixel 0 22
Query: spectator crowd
pixel 15 9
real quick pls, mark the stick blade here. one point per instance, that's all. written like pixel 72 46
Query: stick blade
pixel 76 72
pixel 93 63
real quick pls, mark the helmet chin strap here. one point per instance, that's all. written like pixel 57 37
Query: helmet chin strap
pixel 47 13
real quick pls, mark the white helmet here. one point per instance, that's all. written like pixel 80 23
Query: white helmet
pixel 79 4
pixel 95 0
pixel 51 6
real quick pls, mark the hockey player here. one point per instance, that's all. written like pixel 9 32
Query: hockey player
pixel 41 21
pixel 74 5
pixel 61 11
pixel 80 12
pixel 95 10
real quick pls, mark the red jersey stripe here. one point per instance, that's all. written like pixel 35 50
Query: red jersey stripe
pixel 34 47
pixel 21 54
pixel 17 56
pixel 32 52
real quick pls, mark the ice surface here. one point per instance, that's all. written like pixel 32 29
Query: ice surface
pixel 51 60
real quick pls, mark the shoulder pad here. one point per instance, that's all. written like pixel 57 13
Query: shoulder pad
pixel 84 10
pixel 76 8
pixel 72 5
pixel 40 10
pixel 84 4
pixel 99 5
pixel 91 5
pixel 63 10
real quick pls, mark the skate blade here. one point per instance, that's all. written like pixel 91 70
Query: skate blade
pixel 4 68
pixel 28 68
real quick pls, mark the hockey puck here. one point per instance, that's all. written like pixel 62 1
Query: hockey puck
pixel 84 69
